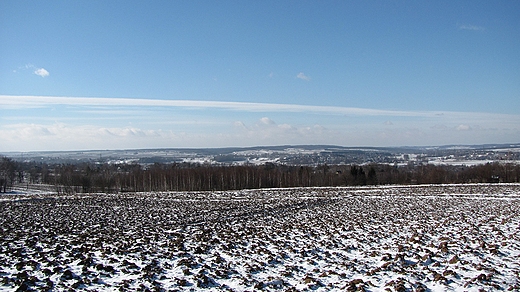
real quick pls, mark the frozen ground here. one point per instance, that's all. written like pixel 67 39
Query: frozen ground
pixel 399 238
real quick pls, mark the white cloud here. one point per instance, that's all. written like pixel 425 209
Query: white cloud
pixel 37 71
pixel 302 76
pixel 265 131
pixel 122 123
pixel 267 121
pixel 463 127
pixel 470 27
pixel 60 136
pixel 113 105
pixel 240 125
pixel 38 101
pixel 41 72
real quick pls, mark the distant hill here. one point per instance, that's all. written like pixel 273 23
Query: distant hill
pixel 286 154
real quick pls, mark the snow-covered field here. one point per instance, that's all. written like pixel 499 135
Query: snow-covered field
pixel 397 238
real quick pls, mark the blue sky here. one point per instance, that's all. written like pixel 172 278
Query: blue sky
pixel 146 74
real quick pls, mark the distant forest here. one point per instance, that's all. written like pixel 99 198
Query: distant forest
pixel 116 178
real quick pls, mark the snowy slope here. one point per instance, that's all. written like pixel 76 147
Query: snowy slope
pixel 401 238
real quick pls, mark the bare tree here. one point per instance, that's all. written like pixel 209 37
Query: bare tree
pixel 7 173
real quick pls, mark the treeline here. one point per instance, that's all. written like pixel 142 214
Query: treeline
pixel 8 170
pixel 115 178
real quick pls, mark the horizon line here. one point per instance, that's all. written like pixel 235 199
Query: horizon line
pixel 512 144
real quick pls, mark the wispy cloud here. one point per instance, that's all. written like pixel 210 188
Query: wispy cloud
pixel 124 104
pixel 147 123
pixel 265 130
pixel 41 72
pixel 39 101
pixel 37 71
pixel 61 136
pixel 463 127
pixel 302 76
pixel 267 121
pixel 470 27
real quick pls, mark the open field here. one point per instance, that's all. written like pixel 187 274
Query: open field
pixel 397 238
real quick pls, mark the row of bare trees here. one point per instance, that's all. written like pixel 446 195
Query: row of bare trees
pixel 87 177
pixel 7 173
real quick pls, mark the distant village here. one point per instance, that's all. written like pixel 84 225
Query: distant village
pixel 286 155
pixel 252 168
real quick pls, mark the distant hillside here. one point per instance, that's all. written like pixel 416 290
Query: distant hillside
pixel 287 154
